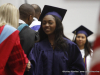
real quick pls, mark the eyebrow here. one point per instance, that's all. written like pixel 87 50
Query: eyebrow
pixel 47 20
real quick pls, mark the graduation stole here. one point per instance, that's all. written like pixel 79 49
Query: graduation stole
pixel 84 59
pixel 22 26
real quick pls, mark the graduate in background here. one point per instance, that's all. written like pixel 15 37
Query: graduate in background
pixel 54 54
pixel 27 35
pixel 81 39
pixel 13 60
pixel 35 25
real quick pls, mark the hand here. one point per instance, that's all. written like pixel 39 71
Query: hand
pixel 28 66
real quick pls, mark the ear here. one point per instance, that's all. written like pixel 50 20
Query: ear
pixel 30 17
pixel 38 15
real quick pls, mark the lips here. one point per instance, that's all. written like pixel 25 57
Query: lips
pixel 47 30
pixel 79 42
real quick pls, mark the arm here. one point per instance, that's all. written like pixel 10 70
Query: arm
pixel 33 56
pixel 17 60
pixel 76 61
pixel 37 36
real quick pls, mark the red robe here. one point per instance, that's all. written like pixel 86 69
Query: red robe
pixel 12 58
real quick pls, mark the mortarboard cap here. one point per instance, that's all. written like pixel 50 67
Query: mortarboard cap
pixel 82 29
pixel 51 10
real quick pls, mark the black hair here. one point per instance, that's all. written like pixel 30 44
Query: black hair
pixel 37 8
pixel 26 10
pixel 59 35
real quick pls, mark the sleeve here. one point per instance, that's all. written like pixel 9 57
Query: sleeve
pixel 17 59
pixel 33 56
pixel 36 36
pixel 77 66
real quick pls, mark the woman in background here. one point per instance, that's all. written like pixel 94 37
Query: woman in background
pixel 13 61
pixel 81 39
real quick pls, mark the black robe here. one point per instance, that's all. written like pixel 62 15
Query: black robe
pixel 46 61
pixel 27 38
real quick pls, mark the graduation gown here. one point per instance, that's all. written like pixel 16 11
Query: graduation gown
pixel 87 60
pixel 46 61
pixel 27 37
pixel 12 58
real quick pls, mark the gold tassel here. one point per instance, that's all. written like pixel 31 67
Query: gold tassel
pixel 84 59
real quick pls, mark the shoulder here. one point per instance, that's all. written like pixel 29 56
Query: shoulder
pixel 23 25
pixel 42 43
pixel 9 31
pixel 28 30
pixel 72 46
pixel 69 42
pixel 9 28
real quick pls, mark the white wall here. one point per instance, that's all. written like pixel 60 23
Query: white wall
pixel 80 12
pixel 17 3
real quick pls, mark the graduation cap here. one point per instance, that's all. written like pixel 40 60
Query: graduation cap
pixel 51 10
pixel 83 30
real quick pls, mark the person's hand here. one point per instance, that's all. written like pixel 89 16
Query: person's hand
pixel 28 66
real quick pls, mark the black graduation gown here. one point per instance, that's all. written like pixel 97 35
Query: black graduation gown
pixel 46 61
pixel 27 39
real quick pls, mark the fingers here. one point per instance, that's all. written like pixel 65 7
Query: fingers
pixel 28 66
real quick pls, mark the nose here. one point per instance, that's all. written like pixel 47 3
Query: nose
pixel 47 24
pixel 80 38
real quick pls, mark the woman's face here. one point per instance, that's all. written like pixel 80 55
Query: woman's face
pixel 49 24
pixel 80 39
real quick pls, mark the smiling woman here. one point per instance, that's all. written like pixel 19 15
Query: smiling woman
pixel 49 24
pixel 54 53
pixel 81 40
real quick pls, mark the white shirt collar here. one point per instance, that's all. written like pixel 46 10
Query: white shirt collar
pixel 35 19
pixel 21 21
pixel 82 52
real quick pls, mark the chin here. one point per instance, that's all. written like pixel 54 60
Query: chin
pixel 48 33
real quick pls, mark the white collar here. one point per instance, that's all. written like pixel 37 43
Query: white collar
pixel 35 19
pixel 21 21
pixel 82 52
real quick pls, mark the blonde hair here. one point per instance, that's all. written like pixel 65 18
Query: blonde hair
pixel 9 14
